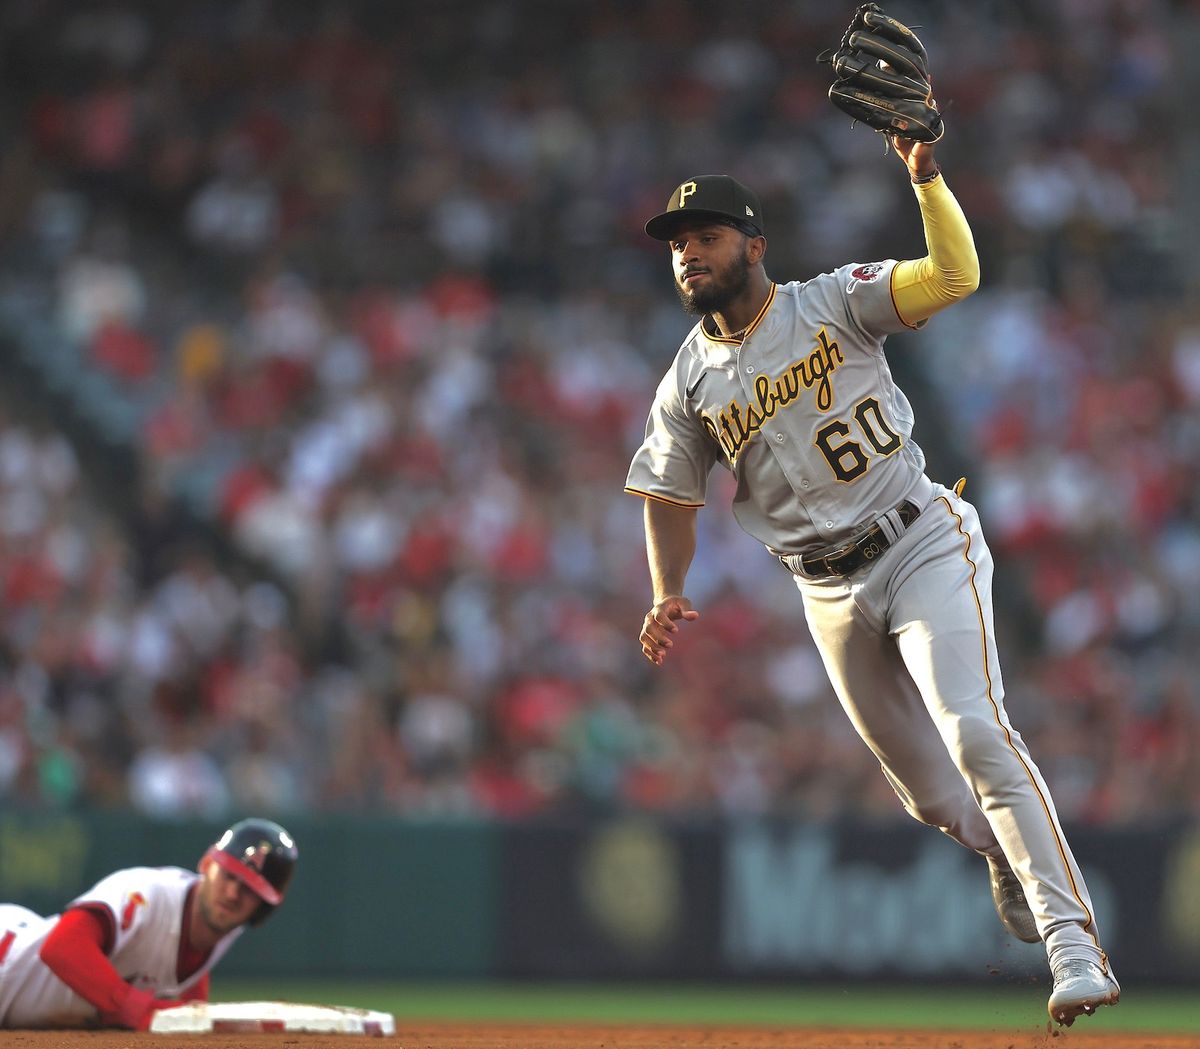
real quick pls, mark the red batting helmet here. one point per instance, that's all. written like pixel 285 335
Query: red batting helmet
pixel 262 856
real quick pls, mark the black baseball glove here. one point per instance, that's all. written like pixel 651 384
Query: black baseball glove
pixel 883 77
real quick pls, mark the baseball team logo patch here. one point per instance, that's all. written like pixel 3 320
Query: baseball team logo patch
pixel 132 902
pixel 864 275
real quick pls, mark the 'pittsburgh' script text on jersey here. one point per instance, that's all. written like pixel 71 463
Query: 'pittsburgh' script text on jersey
pixel 737 424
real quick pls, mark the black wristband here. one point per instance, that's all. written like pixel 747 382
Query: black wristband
pixel 921 180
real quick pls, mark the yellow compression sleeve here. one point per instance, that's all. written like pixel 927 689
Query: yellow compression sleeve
pixel 950 272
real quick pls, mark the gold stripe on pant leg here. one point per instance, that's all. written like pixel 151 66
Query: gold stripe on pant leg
pixel 983 634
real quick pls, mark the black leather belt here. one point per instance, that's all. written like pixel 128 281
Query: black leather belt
pixel 848 559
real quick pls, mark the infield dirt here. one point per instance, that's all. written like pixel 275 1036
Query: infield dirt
pixel 514 1036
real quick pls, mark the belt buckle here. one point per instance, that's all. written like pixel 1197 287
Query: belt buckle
pixel 817 566
pixel 837 555
pixel 868 545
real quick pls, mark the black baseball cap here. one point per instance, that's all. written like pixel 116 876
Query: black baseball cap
pixel 715 197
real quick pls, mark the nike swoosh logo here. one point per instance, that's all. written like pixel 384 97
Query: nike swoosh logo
pixel 690 391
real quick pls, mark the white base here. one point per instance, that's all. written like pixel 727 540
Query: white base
pixel 251 1017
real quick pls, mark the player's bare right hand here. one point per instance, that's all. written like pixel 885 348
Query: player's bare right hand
pixel 661 624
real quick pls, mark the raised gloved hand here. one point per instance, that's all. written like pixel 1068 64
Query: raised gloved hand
pixel 882 75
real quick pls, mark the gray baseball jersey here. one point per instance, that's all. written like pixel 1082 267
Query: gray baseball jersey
pixel 804 412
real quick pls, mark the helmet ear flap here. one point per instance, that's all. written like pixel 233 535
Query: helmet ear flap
pixel 261 914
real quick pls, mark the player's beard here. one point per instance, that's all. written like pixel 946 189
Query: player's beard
pixel 208 915
pixel 723 287
pixel 217 920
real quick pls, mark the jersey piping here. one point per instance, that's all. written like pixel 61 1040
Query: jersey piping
pixel 187 953
pixel 727 340
pixel 663 499
pixel 895 304
pixel 107 920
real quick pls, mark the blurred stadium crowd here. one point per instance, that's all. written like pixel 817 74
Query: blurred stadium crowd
pixel 332 328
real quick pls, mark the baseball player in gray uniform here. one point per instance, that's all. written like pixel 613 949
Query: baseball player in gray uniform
pixel 787 386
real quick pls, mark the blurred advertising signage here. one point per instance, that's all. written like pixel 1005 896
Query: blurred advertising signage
pixel 804 899
pixel 42 858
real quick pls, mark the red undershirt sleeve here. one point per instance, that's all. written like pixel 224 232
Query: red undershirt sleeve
pixel 75 952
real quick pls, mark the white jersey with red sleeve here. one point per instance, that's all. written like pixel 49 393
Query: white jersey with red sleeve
pixel 143 908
